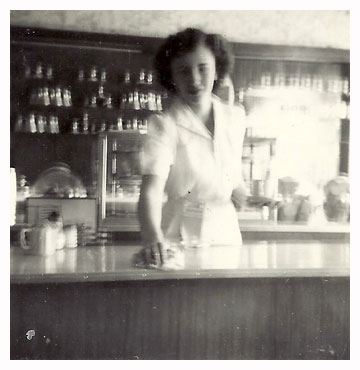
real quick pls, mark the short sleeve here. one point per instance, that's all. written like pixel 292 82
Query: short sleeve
pixel 239 127
pixel 158 150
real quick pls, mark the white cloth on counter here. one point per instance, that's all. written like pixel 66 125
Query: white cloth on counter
pixel 201 171
pixel 174 260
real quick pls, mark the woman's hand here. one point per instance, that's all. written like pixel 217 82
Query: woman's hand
pixel 239 196
pixel 154 254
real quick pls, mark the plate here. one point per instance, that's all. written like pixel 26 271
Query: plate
pixel 261 201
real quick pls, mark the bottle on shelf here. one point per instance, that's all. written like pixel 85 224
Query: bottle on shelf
pixel 93 74
pixel 143 100
pixel 19 124
pixel 119 124
pixel 49 72
pixel 158 102
pixel 103 126
pixel 52 96
pixel 75 126
pixel 53 126
pixel 138 89
pixel 130 100
pixel 39 70
pixel 125 100
pixel 114 145
pixel 85 123
pixel 30 124
pixel 58 97
pixel 103 75
pixel 46 96
pixel 149 78
pixel 40 123
pixel 66 97
pixel 108 101
pixel 22 193
pixel 152 101
pixel 134 125
pixel 127 77
pixel 91 102
pixel 128 124
pixel 141 80
pixel 136 102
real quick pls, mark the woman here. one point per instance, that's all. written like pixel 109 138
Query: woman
pixel 193 150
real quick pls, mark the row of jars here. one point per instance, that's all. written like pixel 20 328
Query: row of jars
pixel 94 73
pixel 307 81
pixel 85 126
pixel 60 97
pixel 37 123
pixel 40 71
pixel 131 99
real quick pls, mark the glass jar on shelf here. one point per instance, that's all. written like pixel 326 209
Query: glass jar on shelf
pixel 39 69
pixel 40 123
pixel 19 123
pixel 30 123
pixel 93 74
pixel 85 123
pixel 75 126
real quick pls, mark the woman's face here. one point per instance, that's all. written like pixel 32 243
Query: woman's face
pixel 194 74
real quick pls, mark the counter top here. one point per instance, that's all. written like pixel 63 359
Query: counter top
pixel 131 224
pixel 250 260
pixel 277 226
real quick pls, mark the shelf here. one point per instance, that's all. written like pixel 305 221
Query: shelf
pixel 259 140
pixel 110 85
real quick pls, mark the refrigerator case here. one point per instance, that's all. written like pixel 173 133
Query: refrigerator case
pixel 119 180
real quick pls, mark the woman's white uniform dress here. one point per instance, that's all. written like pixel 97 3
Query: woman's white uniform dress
pixel 200 170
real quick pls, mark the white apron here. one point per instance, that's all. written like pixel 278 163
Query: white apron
pixel 201 172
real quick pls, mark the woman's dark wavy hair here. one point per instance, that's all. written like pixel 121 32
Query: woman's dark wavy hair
pixel 186 41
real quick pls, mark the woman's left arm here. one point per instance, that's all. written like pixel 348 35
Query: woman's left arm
pixel 239 196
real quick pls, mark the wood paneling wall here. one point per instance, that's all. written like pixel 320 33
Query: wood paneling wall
pixel 276 318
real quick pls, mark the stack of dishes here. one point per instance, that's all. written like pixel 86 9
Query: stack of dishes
pixel 70 236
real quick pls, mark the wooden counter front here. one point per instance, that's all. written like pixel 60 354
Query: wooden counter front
pixel 257 301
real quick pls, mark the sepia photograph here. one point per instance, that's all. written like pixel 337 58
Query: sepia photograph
pixel 179 184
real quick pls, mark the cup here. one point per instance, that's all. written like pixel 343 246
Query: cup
pixel 258 188
pixel 41 240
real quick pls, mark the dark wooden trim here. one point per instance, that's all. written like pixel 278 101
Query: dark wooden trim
pixel 150 44
pixel 290 53
pixel 84 39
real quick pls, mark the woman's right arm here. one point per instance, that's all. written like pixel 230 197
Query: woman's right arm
pixel 149 210
pixel 157 156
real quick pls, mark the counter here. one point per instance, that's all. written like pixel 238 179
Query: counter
pixel 253 259
pixel 262 300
